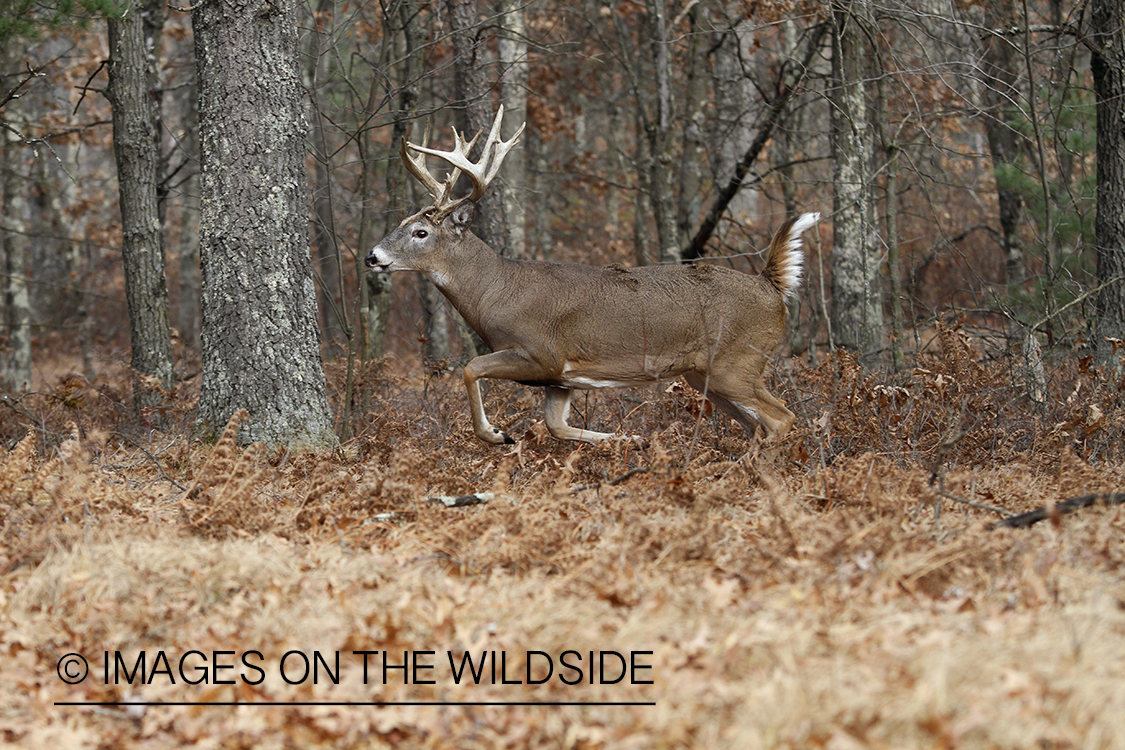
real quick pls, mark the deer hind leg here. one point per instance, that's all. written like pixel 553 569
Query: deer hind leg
pixel 750 404
pixel 557 411
pixel 773 415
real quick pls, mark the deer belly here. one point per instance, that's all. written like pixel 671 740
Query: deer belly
pixel 589 376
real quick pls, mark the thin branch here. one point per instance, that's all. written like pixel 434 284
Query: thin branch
pixel 30 74
pixel 1026 520
pixel 1073 302
pixel 786 91
pixel 612 482
pixel 974 504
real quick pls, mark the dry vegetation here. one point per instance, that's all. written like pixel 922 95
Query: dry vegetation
pixel 822 593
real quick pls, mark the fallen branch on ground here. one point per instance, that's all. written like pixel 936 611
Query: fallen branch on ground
pixel 1026 520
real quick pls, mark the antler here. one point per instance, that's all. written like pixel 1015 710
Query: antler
pixel 482 172
pixel 439 191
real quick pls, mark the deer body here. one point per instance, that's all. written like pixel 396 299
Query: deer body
pixel 566 326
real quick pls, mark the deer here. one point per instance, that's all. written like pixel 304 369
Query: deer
pixel 568 326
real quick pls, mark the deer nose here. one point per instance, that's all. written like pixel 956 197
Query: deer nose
pixel 371 261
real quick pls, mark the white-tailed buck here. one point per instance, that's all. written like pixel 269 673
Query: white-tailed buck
pixel 566 326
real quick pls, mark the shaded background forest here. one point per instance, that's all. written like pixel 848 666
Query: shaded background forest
pixel 978 145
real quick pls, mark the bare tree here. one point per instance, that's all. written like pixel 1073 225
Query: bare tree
pixel 999 74
pixel 15 362
pixel 1108 63
pixel 661 133
pixel 324 240
pixel 693 157
pixel 514 71
pixel 374 289
pixel 260 339
pixel 474 108
pixel 790 76
pixel 888 141
pixel 134 44
pixel 403 22
pixel 857 312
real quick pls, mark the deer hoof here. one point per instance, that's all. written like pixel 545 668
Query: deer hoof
pixel 495 436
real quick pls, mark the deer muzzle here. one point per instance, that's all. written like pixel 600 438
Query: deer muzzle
pixel 377 260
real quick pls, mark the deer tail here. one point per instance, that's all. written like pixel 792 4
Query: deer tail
pixel 786 262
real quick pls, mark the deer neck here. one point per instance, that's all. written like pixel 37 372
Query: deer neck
pixel 465 276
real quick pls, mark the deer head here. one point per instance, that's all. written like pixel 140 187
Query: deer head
pixel 441 224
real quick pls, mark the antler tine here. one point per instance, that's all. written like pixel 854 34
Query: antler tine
pixel 439 191
pixel 482 173
pixel 500 150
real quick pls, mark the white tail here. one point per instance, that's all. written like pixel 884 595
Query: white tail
pixel 566 326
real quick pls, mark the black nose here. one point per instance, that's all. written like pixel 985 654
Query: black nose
pixel 370 261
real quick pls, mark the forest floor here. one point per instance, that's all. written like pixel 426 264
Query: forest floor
pixel 691 590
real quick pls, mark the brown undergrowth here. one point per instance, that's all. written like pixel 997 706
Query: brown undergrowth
pixel 840 589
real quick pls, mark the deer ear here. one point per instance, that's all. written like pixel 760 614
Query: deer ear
pixel 462 216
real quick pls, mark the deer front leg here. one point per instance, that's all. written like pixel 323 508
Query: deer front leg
pixel 503 365
pixel 558 408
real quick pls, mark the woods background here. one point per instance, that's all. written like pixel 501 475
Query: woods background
pixel 952 149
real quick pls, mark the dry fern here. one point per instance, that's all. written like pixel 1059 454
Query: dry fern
pixel 225 498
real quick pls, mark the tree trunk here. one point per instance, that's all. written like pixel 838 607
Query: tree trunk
pixel 408 40
pixel 998 68
pixel 1108 64
pixel 15 347
pixel 476 113
pixel 187 255
pixel 891 149
pixel 15 355
pixel 662 173
pixel 694 155
pixel 857 313
pixel 134 44
pixel 259 341
pixel 513 94
pixel 327 265
pixel 374 288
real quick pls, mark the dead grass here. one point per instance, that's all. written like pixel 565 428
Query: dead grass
pixel 820 593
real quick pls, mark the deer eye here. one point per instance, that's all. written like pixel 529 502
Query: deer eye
pixel 421 234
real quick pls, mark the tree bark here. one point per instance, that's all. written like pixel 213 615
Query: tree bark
pixel 330 294
pixel 134 43
pixel 15 355
pixel 513 94
pixel 857 313
pixel 187 256
pixel 694 155
pixel 1108 63
pixel 662 173
pixel 375 288
pixel 1000 98
pixel 475 113
pixel 260 345
pixel 891 149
